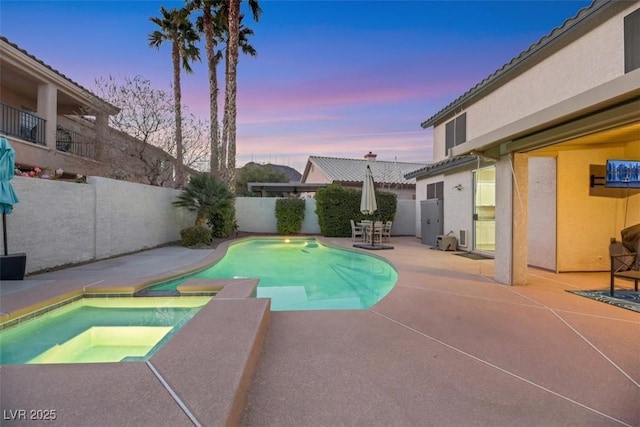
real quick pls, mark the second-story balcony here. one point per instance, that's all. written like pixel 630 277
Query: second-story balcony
pixel 28 126
pixel 22 124
pixel 72 142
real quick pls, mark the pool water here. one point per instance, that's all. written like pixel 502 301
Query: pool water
pixel 93 330
pixel 302 274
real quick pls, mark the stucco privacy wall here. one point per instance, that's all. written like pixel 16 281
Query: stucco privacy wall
pixel 130 216
pixel 257 215
pixel 53 222
pixel 591 60
pixel 57 223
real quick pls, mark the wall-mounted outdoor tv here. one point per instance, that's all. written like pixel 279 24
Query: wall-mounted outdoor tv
pixel 623 174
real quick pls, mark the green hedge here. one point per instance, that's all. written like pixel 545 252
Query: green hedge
pixel 290 214
pixel 336 205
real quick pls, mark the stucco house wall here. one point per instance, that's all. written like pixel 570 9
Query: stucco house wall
pixel 315 175
pixel 551 87
pixel 588 61
pixel 458 206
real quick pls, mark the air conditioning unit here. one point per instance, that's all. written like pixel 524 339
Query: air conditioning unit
pixel 462 241
pixel 446 243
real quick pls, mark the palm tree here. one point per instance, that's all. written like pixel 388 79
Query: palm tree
pixel 231 80
pixel 207 24
pixel 205 195
pixel 214 25
pixel 176 28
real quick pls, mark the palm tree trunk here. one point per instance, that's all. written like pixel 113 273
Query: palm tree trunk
pixel 213 92
pixel 231 90
pixel 177 94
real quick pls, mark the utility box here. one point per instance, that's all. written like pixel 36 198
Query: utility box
pixel 447 243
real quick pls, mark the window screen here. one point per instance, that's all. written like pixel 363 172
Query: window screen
pixel 632 41
pixel 435 190
pixel 455 132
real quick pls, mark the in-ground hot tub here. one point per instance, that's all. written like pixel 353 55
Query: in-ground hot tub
pixel 91 330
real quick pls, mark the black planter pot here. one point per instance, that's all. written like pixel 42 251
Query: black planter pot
pixel 12 266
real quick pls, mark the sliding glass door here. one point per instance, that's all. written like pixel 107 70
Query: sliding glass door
pixel 484 210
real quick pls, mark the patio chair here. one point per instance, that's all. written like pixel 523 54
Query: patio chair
pixel 357 232
pixel 374 233
pixel 386 231
pixel 625 261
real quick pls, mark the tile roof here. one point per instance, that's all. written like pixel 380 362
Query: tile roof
pixel 515 64
pixel 352 170
pixel 442 166
pixel 49 67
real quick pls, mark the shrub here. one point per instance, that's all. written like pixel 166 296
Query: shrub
pixel 195 236
pixel 207 196
pixel 222 222
pixel 290 214
pixel 336 205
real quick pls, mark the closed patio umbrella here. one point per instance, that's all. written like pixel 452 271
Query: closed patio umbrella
pixel 368 203
pixel 368 206
pixel 7 195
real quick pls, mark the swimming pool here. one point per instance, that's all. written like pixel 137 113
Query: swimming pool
pixel 303 274
pixel 92 330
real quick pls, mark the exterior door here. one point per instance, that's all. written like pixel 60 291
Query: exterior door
pixel 484 210
pixel 431 220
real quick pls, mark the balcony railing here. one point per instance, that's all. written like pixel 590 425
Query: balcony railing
pixel 22 124
pixel 29 127
pixel 72 142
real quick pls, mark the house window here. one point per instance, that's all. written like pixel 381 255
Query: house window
pixel 632 41
pixel 456 132
pixel 435 190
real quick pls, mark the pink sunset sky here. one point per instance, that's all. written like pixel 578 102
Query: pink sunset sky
pixel 332 78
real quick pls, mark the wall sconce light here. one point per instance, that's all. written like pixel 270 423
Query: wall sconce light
pixel 458 187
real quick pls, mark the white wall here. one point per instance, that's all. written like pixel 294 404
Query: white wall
pixel 57 223
pixel 595 58
pixel 458 205
pixel 131 216
pixel 257 215
pixel 591 60
pixel 542 212
pixel 53 222
pixel 404 223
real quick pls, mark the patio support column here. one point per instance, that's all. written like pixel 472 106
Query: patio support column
pixel 102 122
pixel 520 247
pixel 47 109
pixel 504 223
pixel 511 219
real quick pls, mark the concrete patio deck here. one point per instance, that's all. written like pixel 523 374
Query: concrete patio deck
pixel 448 346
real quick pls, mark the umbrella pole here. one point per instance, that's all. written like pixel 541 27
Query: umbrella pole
pixel 373 229
pixel 4 231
